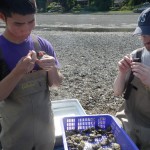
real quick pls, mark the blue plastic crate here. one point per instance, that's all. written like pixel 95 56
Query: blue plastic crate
pixel 103 121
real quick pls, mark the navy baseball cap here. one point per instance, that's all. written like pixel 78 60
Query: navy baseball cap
pixel 143 27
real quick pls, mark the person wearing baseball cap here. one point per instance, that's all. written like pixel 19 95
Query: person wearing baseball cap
pixel 133 82
pixel 143 27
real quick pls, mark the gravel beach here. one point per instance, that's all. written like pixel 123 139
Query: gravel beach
pixel 89 65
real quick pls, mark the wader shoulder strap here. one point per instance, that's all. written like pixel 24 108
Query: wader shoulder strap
pixel 4 71
pixel 36 43
pixel 129 85
pixel 37 46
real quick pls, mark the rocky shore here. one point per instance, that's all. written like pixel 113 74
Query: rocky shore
pixel 89 65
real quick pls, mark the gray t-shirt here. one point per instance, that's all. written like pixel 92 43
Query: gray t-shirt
pixel 145 58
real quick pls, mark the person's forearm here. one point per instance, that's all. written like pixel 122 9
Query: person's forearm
pixel 9 83
pixel 54 77
pixel 119 84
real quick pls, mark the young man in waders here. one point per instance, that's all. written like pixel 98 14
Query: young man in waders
pixel 133 81
pixel 28 67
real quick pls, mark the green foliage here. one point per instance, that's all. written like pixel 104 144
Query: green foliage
pixel 114 8
pixel 93 5
pixel 41 5
pixel 76 8
pixel 67 4
pixel 91 2
pixel 91 8
pixel 126 8
pixel 134 2
pixel 54 7
pixel 103 5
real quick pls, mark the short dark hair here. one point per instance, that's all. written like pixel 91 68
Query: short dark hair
pixel 22 7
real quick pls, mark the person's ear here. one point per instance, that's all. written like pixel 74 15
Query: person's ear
pixel 2 17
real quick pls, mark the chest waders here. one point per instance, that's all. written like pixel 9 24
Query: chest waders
pixel 135 112
pixel 27 118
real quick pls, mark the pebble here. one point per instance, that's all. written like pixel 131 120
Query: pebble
pixel 89 64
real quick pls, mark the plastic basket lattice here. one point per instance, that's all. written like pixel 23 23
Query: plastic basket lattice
pixel 81 123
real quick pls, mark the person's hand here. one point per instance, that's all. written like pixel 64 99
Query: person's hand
pixel 142 72
pixel 46 62
pixel 26 64
pixel 125 64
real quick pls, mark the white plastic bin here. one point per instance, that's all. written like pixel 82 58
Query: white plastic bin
pixel 65 108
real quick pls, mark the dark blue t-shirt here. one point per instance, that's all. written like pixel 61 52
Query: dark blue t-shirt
pixel 12 52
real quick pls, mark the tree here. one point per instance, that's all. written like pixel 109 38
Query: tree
pixel 134 2
pixel 41 5
pixel 67 4
pixel 103 5
pixel 91 2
